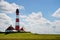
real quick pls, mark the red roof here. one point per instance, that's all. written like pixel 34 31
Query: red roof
pixel 22 29
pixel 10 28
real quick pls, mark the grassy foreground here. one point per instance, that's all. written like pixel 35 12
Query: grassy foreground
pixel 27 36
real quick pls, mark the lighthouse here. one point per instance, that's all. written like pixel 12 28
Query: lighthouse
pixel 17 20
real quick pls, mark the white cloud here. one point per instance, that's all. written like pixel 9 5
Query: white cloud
pixel 36 23
pixel 35 17
pixel 23 16
pixel 5 21
pixel 57 13
pixel 6 7
pixel 56 26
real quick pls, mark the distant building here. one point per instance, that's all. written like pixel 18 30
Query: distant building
pixel 9 29
pixel 22 30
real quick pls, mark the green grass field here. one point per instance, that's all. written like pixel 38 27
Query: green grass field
pixel 27 36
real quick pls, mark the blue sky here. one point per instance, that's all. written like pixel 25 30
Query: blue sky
pixel 47 7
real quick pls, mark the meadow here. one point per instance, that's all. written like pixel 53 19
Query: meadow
pixel 28 36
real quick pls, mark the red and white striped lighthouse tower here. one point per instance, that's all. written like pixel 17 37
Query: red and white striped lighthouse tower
pixel 17 20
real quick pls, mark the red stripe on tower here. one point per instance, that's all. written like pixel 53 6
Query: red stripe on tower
pixel 17 20
pixel 17 27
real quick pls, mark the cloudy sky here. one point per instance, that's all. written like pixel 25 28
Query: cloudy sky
pixel 36 16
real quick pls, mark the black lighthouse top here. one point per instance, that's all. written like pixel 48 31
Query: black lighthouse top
pixel 17 10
